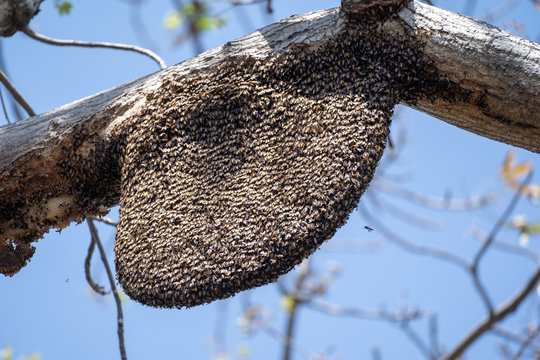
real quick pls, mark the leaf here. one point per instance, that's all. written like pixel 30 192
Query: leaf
pixel 288 303
pixel 189 9
pixel 172 20
pixel 204 23
pixel 534 228
pixel 64 7
pixel 210 22
pixel 512 173
pixel 520 170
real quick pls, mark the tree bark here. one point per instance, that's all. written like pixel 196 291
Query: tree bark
pixel 15 15
pixel 497 93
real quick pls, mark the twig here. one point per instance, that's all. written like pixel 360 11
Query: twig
pixel 507 247
pixel 481 252
pixel 59 42
pixel 99 289
pixel 4 107
pixel 367 314
pixel 533 333
pixel 507 335
pixel 120 316
pixel 486 324
pixel 501 221
pixel 105 220
pixel 16 95
pixel 402 319
pixel 434 335
pixel 303 352
pixel 293 310
pixel 403 215
pixel 417 341
pixel 430 201
pixel 411 247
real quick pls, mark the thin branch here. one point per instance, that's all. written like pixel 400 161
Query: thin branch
pixel 482 291
pixel 414 248
pixel 507 335
pixel 481 252
pixel 16 95
pixel 507 247
pixel 438 203
pixel 499 315
pixel 105 220
pixel 4 107
pixel 99 289
pixel 367 314
pixel 501 221
pixel 300 350
pixel 434 335
pixel 108 45
pixel 402 319
pixel 406 216
pixel 417 341
pixel 292 312
pixel 533 333
pixel 120 316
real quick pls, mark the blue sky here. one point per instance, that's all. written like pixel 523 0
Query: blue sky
pixel 49 308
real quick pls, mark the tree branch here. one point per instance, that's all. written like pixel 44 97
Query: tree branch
pixel 497 316
pixel 120 316
pixel 91 44
pixel 496 95
pixel 16 94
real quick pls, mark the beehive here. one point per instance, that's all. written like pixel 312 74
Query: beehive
pixel 230 178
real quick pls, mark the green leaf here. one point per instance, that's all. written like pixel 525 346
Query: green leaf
pixel 204 23
pixel 63 7
pixel 534 228
pixel 210 22
pixel 189 9
pixel 173 20
pixel 288 303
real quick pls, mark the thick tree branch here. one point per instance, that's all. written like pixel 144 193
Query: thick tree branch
pixel 496 95
pixel 501 72
pixel 498 73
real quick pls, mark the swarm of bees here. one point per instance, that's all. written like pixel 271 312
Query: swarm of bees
pixel 230 178
pixel 85 182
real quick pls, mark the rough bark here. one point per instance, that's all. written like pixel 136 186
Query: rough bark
pixel 497 95
pixel 16 15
